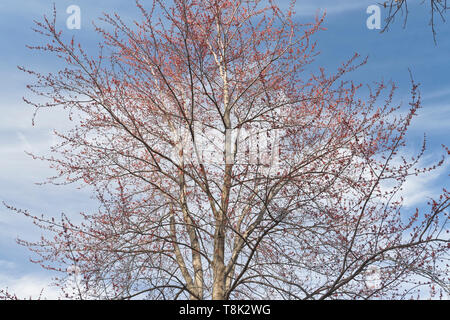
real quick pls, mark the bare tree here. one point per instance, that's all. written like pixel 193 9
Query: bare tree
pixel 438 8
pixel 225 170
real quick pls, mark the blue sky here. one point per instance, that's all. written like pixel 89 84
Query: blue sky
pixel 390 56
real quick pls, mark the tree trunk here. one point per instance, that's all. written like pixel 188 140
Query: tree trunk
pixel 218 263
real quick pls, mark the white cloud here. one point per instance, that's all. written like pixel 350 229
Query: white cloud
pixel 432 118
pixel 4 264
pixel 29 286
pixel 419 189
pixel 443 92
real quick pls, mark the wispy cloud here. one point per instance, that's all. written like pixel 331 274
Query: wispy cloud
pixel 417 190
pixel 312 7
pixel 439 93
pixel 29 286
pixel 433 118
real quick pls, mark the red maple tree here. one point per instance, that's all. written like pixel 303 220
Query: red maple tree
pixel 316 216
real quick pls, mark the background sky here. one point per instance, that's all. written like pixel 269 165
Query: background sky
pixel 390 55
